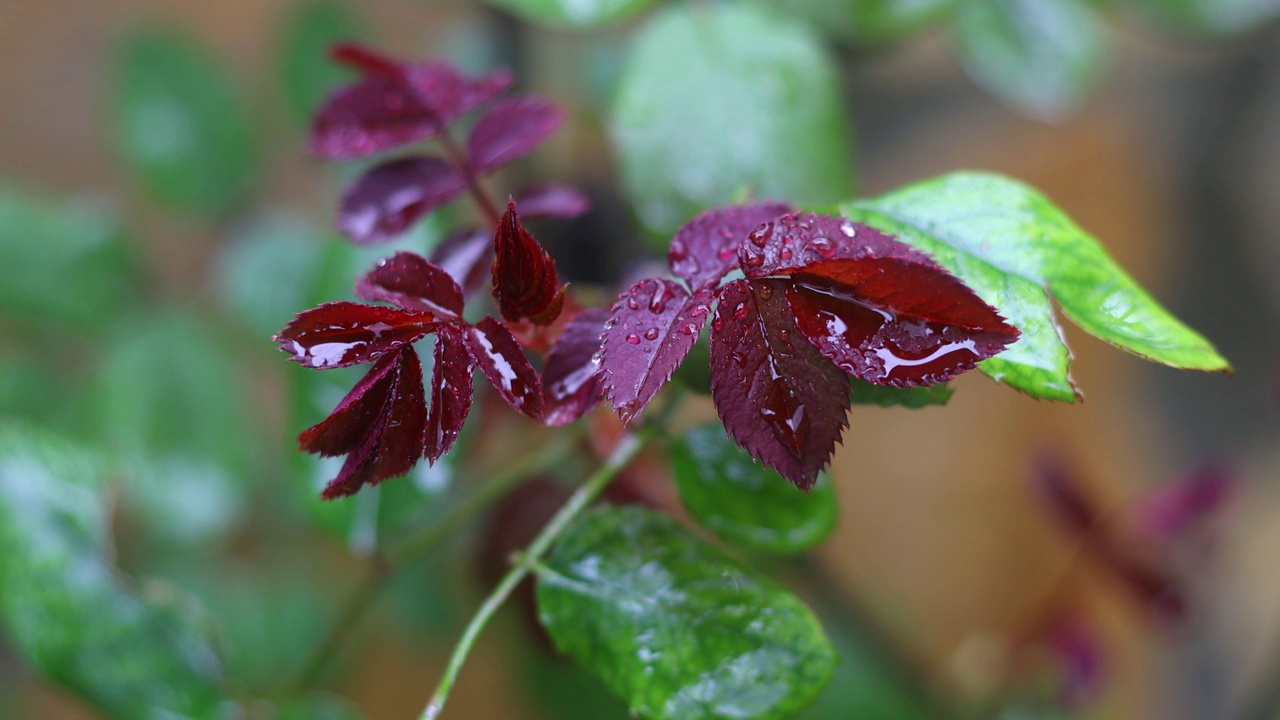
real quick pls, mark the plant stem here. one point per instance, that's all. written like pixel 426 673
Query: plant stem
pixel 418 544
pixel 587 492
pixel 478 193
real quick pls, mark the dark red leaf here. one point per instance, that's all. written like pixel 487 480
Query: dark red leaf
pixel 778 397
pixel 396 103
pixel 553 201
pixel 571 376
pixel 500 357
pixel 410 281
pixel 1063 495
pixel 451 390
pixel 524 275
pixel 651 328
pixel 360 410
pixel 510 130
pixel 466 255
pixel 387 200
pixel 878 309
pixel 706 249
pixel 339 334
pixel 392 443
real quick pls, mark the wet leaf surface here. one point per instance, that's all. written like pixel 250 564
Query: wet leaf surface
pixel 571 382
pixel 651 328
pixel 706 248
pixel 675 627
pixel 413 283
pixel 503 362
pixel 744 502
pixel 388 199
pixel 340 334
pixel 525 282
pixel 1015 249
pixel 778 397
pixel 451 390
pixel 467 255
pixel 510 130
pixel 553 201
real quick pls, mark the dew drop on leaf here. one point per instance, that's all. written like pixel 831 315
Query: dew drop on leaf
pixel 651 334
pixel 633 339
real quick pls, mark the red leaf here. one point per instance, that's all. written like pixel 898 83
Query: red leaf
pixel 553 201
pixel 387 200
pixel 465 254
pixel 510 130
pixel 451 390
pixel 706 249
pixel 652 327
pixel 778 397
pixel 413 283
pixel 349 423
pixel 500 358
pixel 339 334
pixel 876 307
pixel 1170 511
pixel 571 375
pixel 392 443
pixel 524 275
pixel 396 103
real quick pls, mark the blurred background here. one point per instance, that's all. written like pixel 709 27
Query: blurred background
pixel 160 218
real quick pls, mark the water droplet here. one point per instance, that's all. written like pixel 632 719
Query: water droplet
pixel 739 359
pixel 848 229
pixel 651 334
pixel 760 236
pixel 717 323
pixel 740 311
pixel 597 358
pixel 610 323
pixel 725 253
pixel 678 251
pixel 688 328
pixel 634 339
pixel 661 294
pixel 698 311
pixel 784 333
pixel 752 259
pixel 822 246
pixel 633 303
pixel 765 292
pixel 785 253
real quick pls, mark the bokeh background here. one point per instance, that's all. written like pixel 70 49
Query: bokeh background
pixel 137 307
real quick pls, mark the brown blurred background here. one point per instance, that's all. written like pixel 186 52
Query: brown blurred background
pixel 1174 164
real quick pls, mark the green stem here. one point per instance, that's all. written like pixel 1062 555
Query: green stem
pixel 418 544
pixel 583 496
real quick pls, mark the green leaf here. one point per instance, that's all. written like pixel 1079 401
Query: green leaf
pixel 267 273
pixel 170 401
pixel 1016 250
pixel 306 73
pixel 318 707
pixel 864 686
pixel 1040 56
pixel 179 127
pixel 65 262
pixel 743 502
pixel 869 21
pixel 1208 18
pixel 573 13
pixel 714 97
pixel 64 610
pixel 865 393
pixel 675 627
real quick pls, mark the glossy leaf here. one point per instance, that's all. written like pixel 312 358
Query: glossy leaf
pixel 1040 56
pixel 913 398
pixel 510 130
pixel 503 362
pixel 746 503
pixel 525 282
pixel 413 283
pixel 379 426
pixel 778 397
pixel 388 199
pixel 676 628
pixel 63 609
pixel 553 201
pixel 651 329
pixel 396 104
pixel 1010 244
pixel 306 74
pixel 878 309
pixel 467 255
pixel 179 127
pixel 571 382
pixel 693 121
pixel 574 13
pixel 706 248
pixel 451 390
pixel 65 262
pixel 339 334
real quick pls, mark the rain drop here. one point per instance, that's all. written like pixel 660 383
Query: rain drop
pixel 633 303
pixel 752 259
pixel 634 339
pixel 822 246
pixel 651 334
pixel 739 359
pixel 740 311
pixel 765 291
pixel 717 323
pixel 785 253
pixel 678 251
pixel 847 228
pixel 760 236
